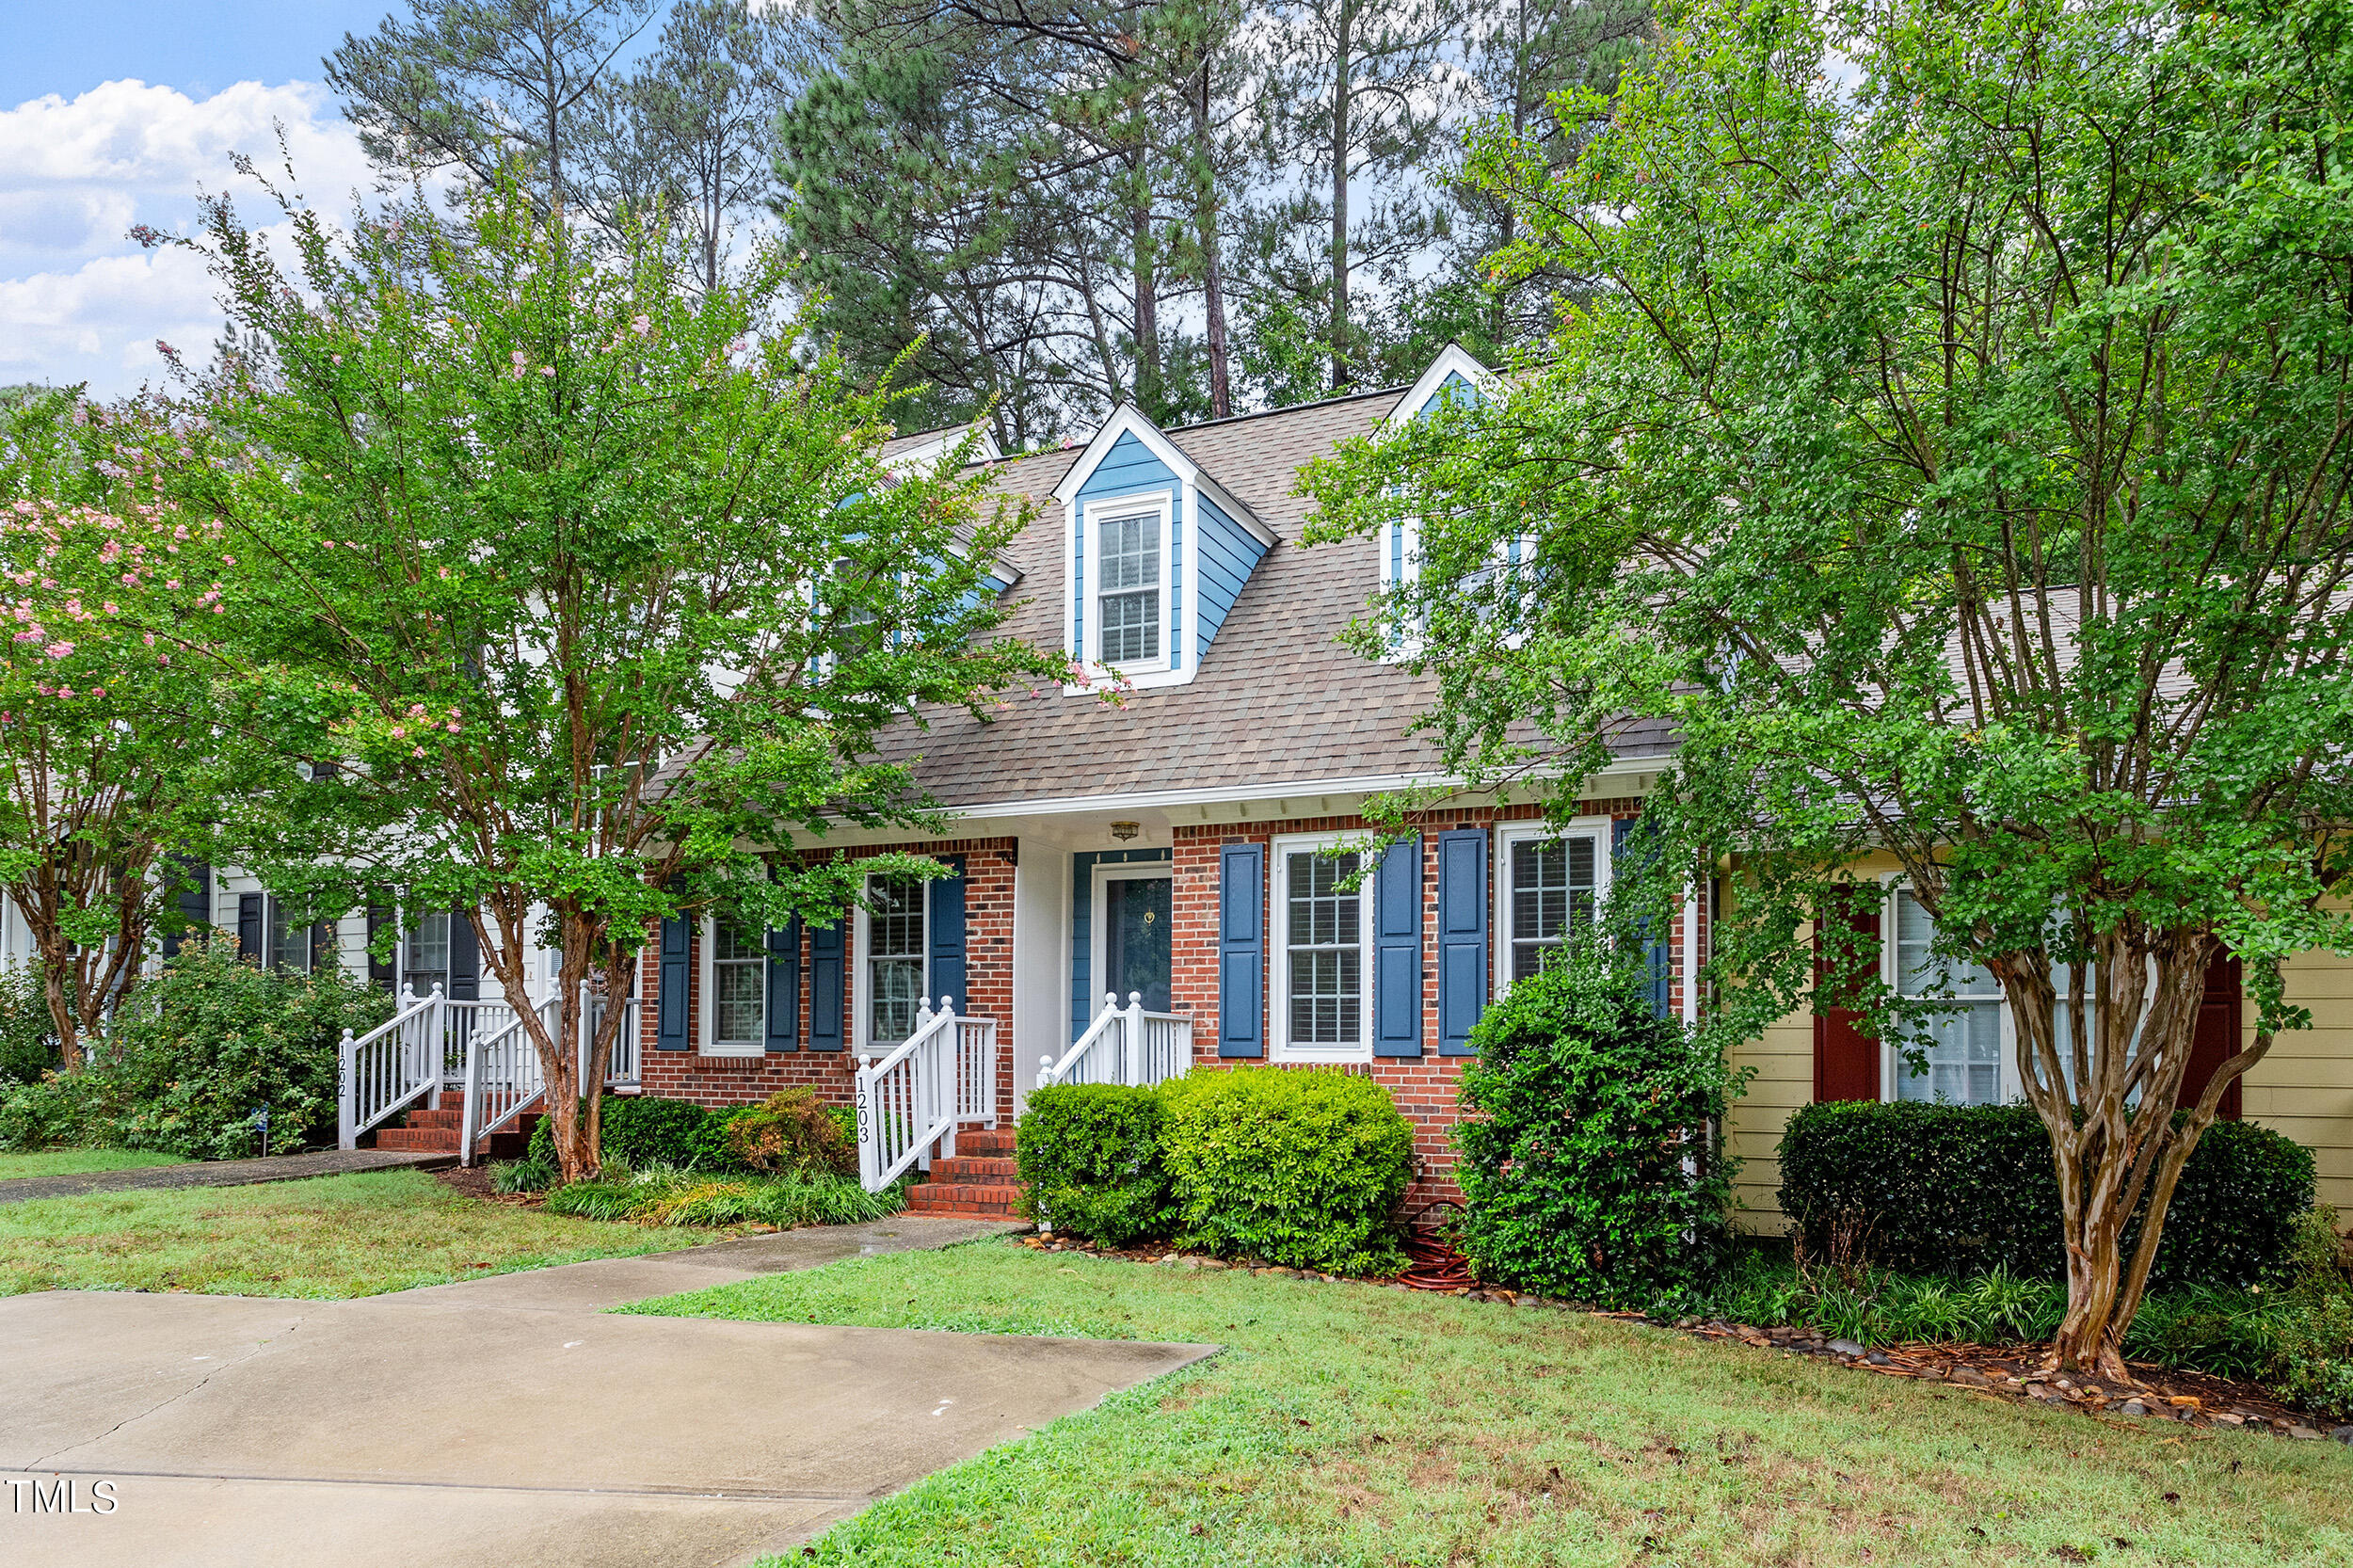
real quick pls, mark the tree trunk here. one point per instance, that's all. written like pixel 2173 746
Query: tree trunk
pixel 1212 278
pixel 2107 1156
pixel 1149 390
pixel 1341 61
pixel 56 963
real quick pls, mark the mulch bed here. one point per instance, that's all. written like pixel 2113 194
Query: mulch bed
pixel 2192 1400
pixel 474 1182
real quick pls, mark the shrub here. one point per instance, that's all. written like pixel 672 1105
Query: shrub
pixel 1091 1162
pixel 1587 1170
pixel 63 1110
pixel 1960 1190
pixel 645 1129
pixel 194 1053
pixel 1303 1169
pixel 28 1042
pixel 790 1131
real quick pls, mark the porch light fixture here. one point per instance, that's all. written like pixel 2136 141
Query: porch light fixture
pixel 1123 831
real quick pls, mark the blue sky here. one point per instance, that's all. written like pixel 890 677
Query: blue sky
pixel 199 46
pixel 115 112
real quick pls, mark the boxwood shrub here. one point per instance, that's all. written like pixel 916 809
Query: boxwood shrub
pixel 1090 1160
pixel 645 1130
pixel 1302 1168
pixel 1587 1170
pixel 1961 1190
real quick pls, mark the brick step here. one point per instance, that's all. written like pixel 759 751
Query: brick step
pixel 992 1200
pixel 984 1170
pixel 426 1138
pixel 996 1144
pixel 450 1116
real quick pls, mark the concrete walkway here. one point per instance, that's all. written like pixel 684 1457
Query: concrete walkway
pixel 502 1420
pixel 222 1173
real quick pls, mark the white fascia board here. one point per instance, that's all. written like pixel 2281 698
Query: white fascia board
pixel 1622 767
pixel 1454 359
pixel 1128 419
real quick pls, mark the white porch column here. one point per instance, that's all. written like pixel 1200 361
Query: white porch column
pixel 1041 1007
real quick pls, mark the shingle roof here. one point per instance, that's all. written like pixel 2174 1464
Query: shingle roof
pixel 1276 700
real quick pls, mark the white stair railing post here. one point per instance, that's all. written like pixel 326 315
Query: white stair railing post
pixel 869 1134
pixel 348 1099
pixel 946 1064
pixel 470 1119
pixel 1132 1052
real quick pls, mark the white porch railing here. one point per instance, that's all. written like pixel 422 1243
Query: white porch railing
pixel 390 1067
pixel 503 1074
pixel 941 1077
pixel 1124 1044
pixel 483 1045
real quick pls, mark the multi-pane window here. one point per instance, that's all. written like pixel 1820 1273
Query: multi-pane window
pixel 1323 936
pixel 1965 1053
pixel 1128 582
pixel 1552 895
pixel 894 962
pixel 739 989
pixel 289 937
pixel 424 961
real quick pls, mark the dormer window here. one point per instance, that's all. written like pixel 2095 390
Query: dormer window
pixel 1129 572
pixel 1155 551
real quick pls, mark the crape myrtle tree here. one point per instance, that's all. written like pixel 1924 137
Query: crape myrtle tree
pixel 1954 447
pixel 109 602
pixel 585 577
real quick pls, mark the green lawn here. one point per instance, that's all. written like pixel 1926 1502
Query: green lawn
pixel 328 1237
pixel 1354 1425
pixel 42 1162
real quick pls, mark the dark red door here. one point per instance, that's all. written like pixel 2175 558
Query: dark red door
pixel 1845 1060
pixel 2217 1036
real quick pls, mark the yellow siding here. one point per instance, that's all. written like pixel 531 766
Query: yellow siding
pixel 2303 1089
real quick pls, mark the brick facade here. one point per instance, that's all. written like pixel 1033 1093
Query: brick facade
pixel 724 1080
pixel 1426 1088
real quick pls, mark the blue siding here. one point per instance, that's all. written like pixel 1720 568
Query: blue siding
pixel 1085 997
pixel 1455 390
pixel 1130 469
pixel 1227 554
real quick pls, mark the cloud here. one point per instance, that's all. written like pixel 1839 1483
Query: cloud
pixel 79 300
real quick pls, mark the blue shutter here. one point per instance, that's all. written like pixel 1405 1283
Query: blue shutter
pixel 1241 948
pixel 824 987
pixel 945 932
pixel 194 901
pixel 1396 951
pixel 1658 955
pixel 251 933
pixel 670 997
pixel 1462 937
pixel 784 987
pixel 465 960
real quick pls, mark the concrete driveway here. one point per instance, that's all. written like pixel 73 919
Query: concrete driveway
pixel 500 1421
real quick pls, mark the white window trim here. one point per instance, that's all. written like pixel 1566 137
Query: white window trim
pixel 1098 937
pixel 859 996
pixel 1602 830
pixel 1278 928
pixel 1894 1069
pixel 1176 595
pixel 706 1009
